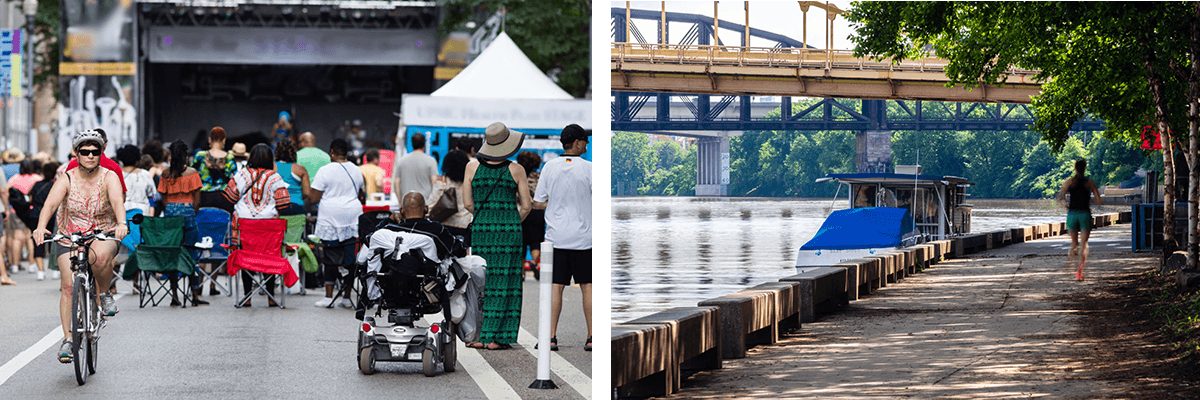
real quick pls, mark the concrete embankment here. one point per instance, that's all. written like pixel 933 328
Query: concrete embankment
pixel 965 322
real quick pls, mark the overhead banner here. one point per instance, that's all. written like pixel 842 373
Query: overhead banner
pixel 10 63
pixel 98 72
pixel 292 46
pixel 425 110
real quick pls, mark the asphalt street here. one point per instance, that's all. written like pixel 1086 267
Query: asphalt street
pixel 218 351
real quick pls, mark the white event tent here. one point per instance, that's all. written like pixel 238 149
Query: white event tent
pixel 501 84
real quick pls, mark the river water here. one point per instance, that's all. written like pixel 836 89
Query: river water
pixel 674 252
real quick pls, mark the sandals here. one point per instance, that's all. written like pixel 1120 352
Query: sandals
pixel 476 345
pixel 7 282
pixel 553 344
pixel 499 346
pixel 588 346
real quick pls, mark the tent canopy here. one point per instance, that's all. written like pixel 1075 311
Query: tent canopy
pixel 499 85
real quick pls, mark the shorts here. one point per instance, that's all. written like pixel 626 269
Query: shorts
pixel 572 263
pixel 13 224
pixel 533 228
pixel 338 258
pixel 1079 220
pixel 39 251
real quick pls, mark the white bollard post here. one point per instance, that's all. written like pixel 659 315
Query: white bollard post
pixel 544 305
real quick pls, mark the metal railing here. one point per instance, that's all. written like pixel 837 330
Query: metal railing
pixel 715 55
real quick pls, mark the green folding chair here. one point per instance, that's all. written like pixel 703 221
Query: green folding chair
pixel 159 258
pixel 295 237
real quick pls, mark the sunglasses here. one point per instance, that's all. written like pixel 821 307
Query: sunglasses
pixel 88 153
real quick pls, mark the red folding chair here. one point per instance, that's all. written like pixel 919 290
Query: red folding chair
pixel 259 251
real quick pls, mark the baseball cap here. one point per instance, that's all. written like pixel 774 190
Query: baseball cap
pixel 574 132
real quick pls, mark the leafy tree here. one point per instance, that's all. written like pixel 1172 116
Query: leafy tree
pixel 668 154
pixel 1121 61
pixel 993 159
pixel 554 34
pixel 629 158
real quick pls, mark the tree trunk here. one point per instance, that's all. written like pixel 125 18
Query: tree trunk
pixel 1158 90
pixel 1193 94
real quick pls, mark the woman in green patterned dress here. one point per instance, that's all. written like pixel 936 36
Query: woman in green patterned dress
pixel 496 191
pixel 216 168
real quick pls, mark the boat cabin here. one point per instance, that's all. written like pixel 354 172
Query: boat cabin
pixel 937 203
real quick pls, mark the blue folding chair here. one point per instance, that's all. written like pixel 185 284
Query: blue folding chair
pixel 213 223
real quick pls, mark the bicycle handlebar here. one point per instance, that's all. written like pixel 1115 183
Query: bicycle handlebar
pixel 79 238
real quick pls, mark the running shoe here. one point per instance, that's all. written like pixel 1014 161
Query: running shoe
pixel 325 302
pixel 64 352
pixel 55 275
pixel 108 304
pixel 346 303
pixel 41 275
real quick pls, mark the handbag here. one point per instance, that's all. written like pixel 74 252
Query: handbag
pixel 446 206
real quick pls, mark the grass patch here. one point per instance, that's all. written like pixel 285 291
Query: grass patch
pixel 1175 311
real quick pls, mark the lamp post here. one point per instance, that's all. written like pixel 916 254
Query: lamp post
pixel 30 14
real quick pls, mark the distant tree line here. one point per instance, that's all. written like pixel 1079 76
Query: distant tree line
pixel 1002 164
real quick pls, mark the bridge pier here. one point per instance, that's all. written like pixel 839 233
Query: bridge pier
pixel 873 151
pixel 712 166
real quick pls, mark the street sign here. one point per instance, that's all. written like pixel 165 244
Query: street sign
pixel 10 63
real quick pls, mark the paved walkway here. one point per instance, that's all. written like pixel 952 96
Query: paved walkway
pixel 987 327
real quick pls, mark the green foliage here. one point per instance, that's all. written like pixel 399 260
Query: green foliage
pixel 631 158
pixel 1096 52
pixel 554 34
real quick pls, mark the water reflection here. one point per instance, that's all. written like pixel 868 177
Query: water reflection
pixel 675 252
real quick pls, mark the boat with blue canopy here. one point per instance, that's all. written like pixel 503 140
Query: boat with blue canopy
pixel 888 211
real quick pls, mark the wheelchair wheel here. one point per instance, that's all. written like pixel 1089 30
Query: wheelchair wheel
pixel 366 361
pixel 450 351
pixel 428 365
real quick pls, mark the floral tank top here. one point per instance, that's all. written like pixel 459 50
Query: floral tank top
pixel 86 206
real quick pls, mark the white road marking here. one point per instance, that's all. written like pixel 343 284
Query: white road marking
pixel 558 365
pixel 11 367
pixel 489 381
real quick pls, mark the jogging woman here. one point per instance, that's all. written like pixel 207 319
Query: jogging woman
pixel 1079 212
pixel 90 198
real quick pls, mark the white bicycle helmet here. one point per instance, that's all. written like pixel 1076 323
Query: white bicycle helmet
pixel 96 135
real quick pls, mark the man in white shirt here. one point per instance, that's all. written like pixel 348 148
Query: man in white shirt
pixel 566 188
pixel 335 191
pixel 415 171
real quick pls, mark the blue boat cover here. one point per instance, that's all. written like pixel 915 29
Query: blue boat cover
pixel 861 228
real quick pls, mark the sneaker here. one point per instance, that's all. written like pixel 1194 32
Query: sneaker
pixel 41 275
pixel 64 352
pixel 346 303
pixel 55 275
pixel 325 302
pixel 32 268
pixel 108 304
pixel 14 268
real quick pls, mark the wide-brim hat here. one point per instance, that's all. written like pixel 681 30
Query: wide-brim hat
pixel 499 142
pixel 13 156
pixel 239 150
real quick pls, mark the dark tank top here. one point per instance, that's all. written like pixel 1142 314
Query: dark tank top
pixel 1081 195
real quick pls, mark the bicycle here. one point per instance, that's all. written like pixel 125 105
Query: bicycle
pixel 86 319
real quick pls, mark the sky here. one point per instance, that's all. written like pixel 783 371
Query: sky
pixel 781 17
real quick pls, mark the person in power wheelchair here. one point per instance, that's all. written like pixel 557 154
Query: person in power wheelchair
pixel 404 267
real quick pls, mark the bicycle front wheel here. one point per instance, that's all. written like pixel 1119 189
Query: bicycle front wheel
pixel 93 329
pixel 80 335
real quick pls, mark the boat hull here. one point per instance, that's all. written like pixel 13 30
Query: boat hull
pixel 806 259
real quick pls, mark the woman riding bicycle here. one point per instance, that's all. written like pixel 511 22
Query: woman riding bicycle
pixel 90 198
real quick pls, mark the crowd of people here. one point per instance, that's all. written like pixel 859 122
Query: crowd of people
pixel 501 209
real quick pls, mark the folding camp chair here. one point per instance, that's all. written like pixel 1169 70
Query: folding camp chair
pixel 212 223
pixel 295 238
pixel 368 222
pixel 259 252
pixel 160 254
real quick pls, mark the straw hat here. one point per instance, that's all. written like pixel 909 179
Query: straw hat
pixel 239 150
pixel 499 142
pixel 13 156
